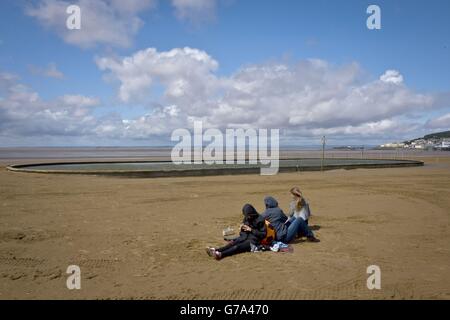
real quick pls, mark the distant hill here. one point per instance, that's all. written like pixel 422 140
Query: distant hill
pixel 438 135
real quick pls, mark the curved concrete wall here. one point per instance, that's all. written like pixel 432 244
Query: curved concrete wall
pixel 207 171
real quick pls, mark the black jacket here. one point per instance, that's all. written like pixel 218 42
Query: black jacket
pixel 255 221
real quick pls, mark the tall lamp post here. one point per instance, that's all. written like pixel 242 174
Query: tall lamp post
pixel 324 140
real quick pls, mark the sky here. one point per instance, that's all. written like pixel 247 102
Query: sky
pixel 137 70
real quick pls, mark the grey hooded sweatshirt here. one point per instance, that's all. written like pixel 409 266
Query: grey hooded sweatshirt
pixel 276 217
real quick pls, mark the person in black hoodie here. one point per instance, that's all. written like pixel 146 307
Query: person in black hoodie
pixel 253 230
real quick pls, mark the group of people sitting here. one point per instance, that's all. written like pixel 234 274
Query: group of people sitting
pixel 272 225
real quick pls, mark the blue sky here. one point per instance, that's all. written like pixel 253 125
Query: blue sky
pixel 246 39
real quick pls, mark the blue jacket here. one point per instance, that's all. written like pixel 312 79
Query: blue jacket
pixel 276 217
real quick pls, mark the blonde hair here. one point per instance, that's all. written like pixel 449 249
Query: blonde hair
pixel 295 191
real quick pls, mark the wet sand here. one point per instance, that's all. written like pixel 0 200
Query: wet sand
pixel 145 238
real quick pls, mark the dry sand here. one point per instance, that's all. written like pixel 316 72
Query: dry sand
pixel 145 238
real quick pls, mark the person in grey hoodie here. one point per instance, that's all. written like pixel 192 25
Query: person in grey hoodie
pixel 286 229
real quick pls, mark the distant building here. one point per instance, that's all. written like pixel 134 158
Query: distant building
pixel 429 142
pixel 393 145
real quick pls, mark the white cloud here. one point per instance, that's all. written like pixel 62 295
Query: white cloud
pixel 110 22
pixel 154 124
pixel 379 129
pixel 25 116
pixel 392 76
pixel 305 99
pixel 442 122
pixel 80 101
pixel 51 71
pixel 23 113
pixel 186 73
pixel 308 96
pixel 195 11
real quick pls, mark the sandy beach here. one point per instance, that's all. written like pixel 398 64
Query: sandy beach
pixel 145 238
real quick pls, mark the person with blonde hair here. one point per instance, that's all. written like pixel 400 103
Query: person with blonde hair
pixel 299 209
